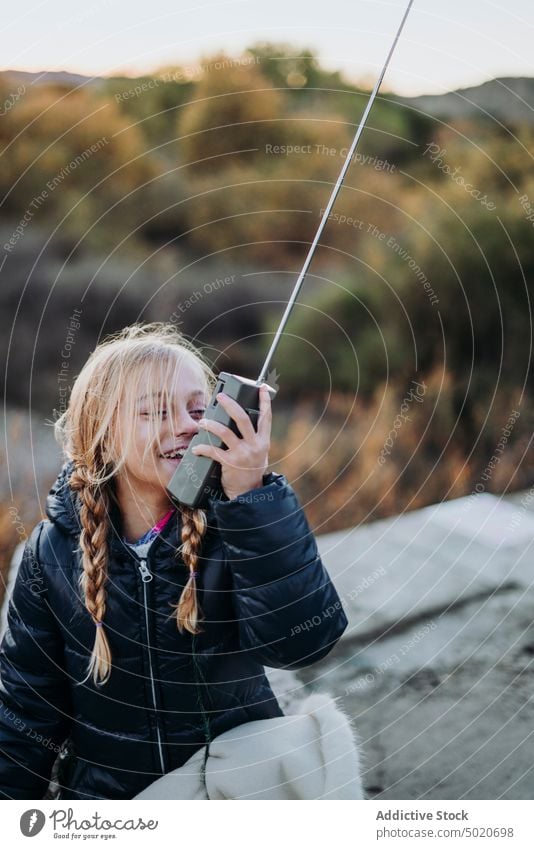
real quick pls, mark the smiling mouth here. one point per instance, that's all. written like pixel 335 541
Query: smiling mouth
pixel 175 455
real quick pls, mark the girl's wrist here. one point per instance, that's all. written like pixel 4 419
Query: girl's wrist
pixel 232 495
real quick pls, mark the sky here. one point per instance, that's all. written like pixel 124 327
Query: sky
pixel 444 45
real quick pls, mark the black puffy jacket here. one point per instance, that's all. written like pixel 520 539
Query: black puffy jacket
pixel 267 600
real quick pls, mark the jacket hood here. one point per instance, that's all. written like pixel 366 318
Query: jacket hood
pixel 62 503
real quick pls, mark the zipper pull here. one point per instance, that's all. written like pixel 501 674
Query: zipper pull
pixel 146 574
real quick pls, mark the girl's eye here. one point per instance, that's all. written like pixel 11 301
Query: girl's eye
pixel 163 413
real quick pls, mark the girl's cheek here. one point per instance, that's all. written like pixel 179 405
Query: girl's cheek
pixel 142 431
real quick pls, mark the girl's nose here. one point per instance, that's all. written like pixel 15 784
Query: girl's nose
pixel 185 424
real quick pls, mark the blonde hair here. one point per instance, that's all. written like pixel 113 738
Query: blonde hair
pixel 109 383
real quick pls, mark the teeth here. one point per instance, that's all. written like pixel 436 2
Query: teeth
pixel 169 455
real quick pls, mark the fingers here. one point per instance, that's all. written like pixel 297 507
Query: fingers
pixel 266 414
pixel 228 436
pixel 219 454
pixel 236 411
pixel 242 420
pixel 210 451
pixel 244 461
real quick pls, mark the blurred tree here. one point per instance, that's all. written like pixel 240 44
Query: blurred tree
pixel 152 103
pixel 269 191
pixel 229 116
pixel 349 337
pixel 71 153
pixel 289 67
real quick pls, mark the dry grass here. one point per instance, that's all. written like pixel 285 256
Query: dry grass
pixel 332 456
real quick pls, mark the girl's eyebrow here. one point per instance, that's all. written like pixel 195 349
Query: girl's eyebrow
pixel 194 394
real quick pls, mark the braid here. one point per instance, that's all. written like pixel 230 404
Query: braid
pixel 188 612
pixel 94 517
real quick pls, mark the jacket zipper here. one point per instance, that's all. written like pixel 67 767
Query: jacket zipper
pixel 146 577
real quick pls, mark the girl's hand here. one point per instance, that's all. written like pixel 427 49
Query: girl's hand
pixel 245 461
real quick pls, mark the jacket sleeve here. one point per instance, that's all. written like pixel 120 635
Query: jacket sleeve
pixel 289 613
pixel 34 690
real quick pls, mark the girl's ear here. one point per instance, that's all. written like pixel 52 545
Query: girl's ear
pixel 108 453
pixel 105 451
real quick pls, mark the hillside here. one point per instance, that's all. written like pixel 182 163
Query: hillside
pixel 506 99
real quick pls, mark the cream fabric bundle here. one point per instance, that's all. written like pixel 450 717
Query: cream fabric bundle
pixel 309 754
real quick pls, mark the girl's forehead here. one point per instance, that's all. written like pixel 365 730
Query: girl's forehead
pixel 183 382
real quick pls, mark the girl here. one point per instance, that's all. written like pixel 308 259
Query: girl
pixel 138 629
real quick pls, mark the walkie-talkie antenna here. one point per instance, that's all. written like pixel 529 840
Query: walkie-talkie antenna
pixel 197 477
pixel 263 373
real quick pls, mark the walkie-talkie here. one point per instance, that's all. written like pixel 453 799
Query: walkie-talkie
pixel 198 479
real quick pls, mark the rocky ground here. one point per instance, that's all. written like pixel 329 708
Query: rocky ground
pixel 436 668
